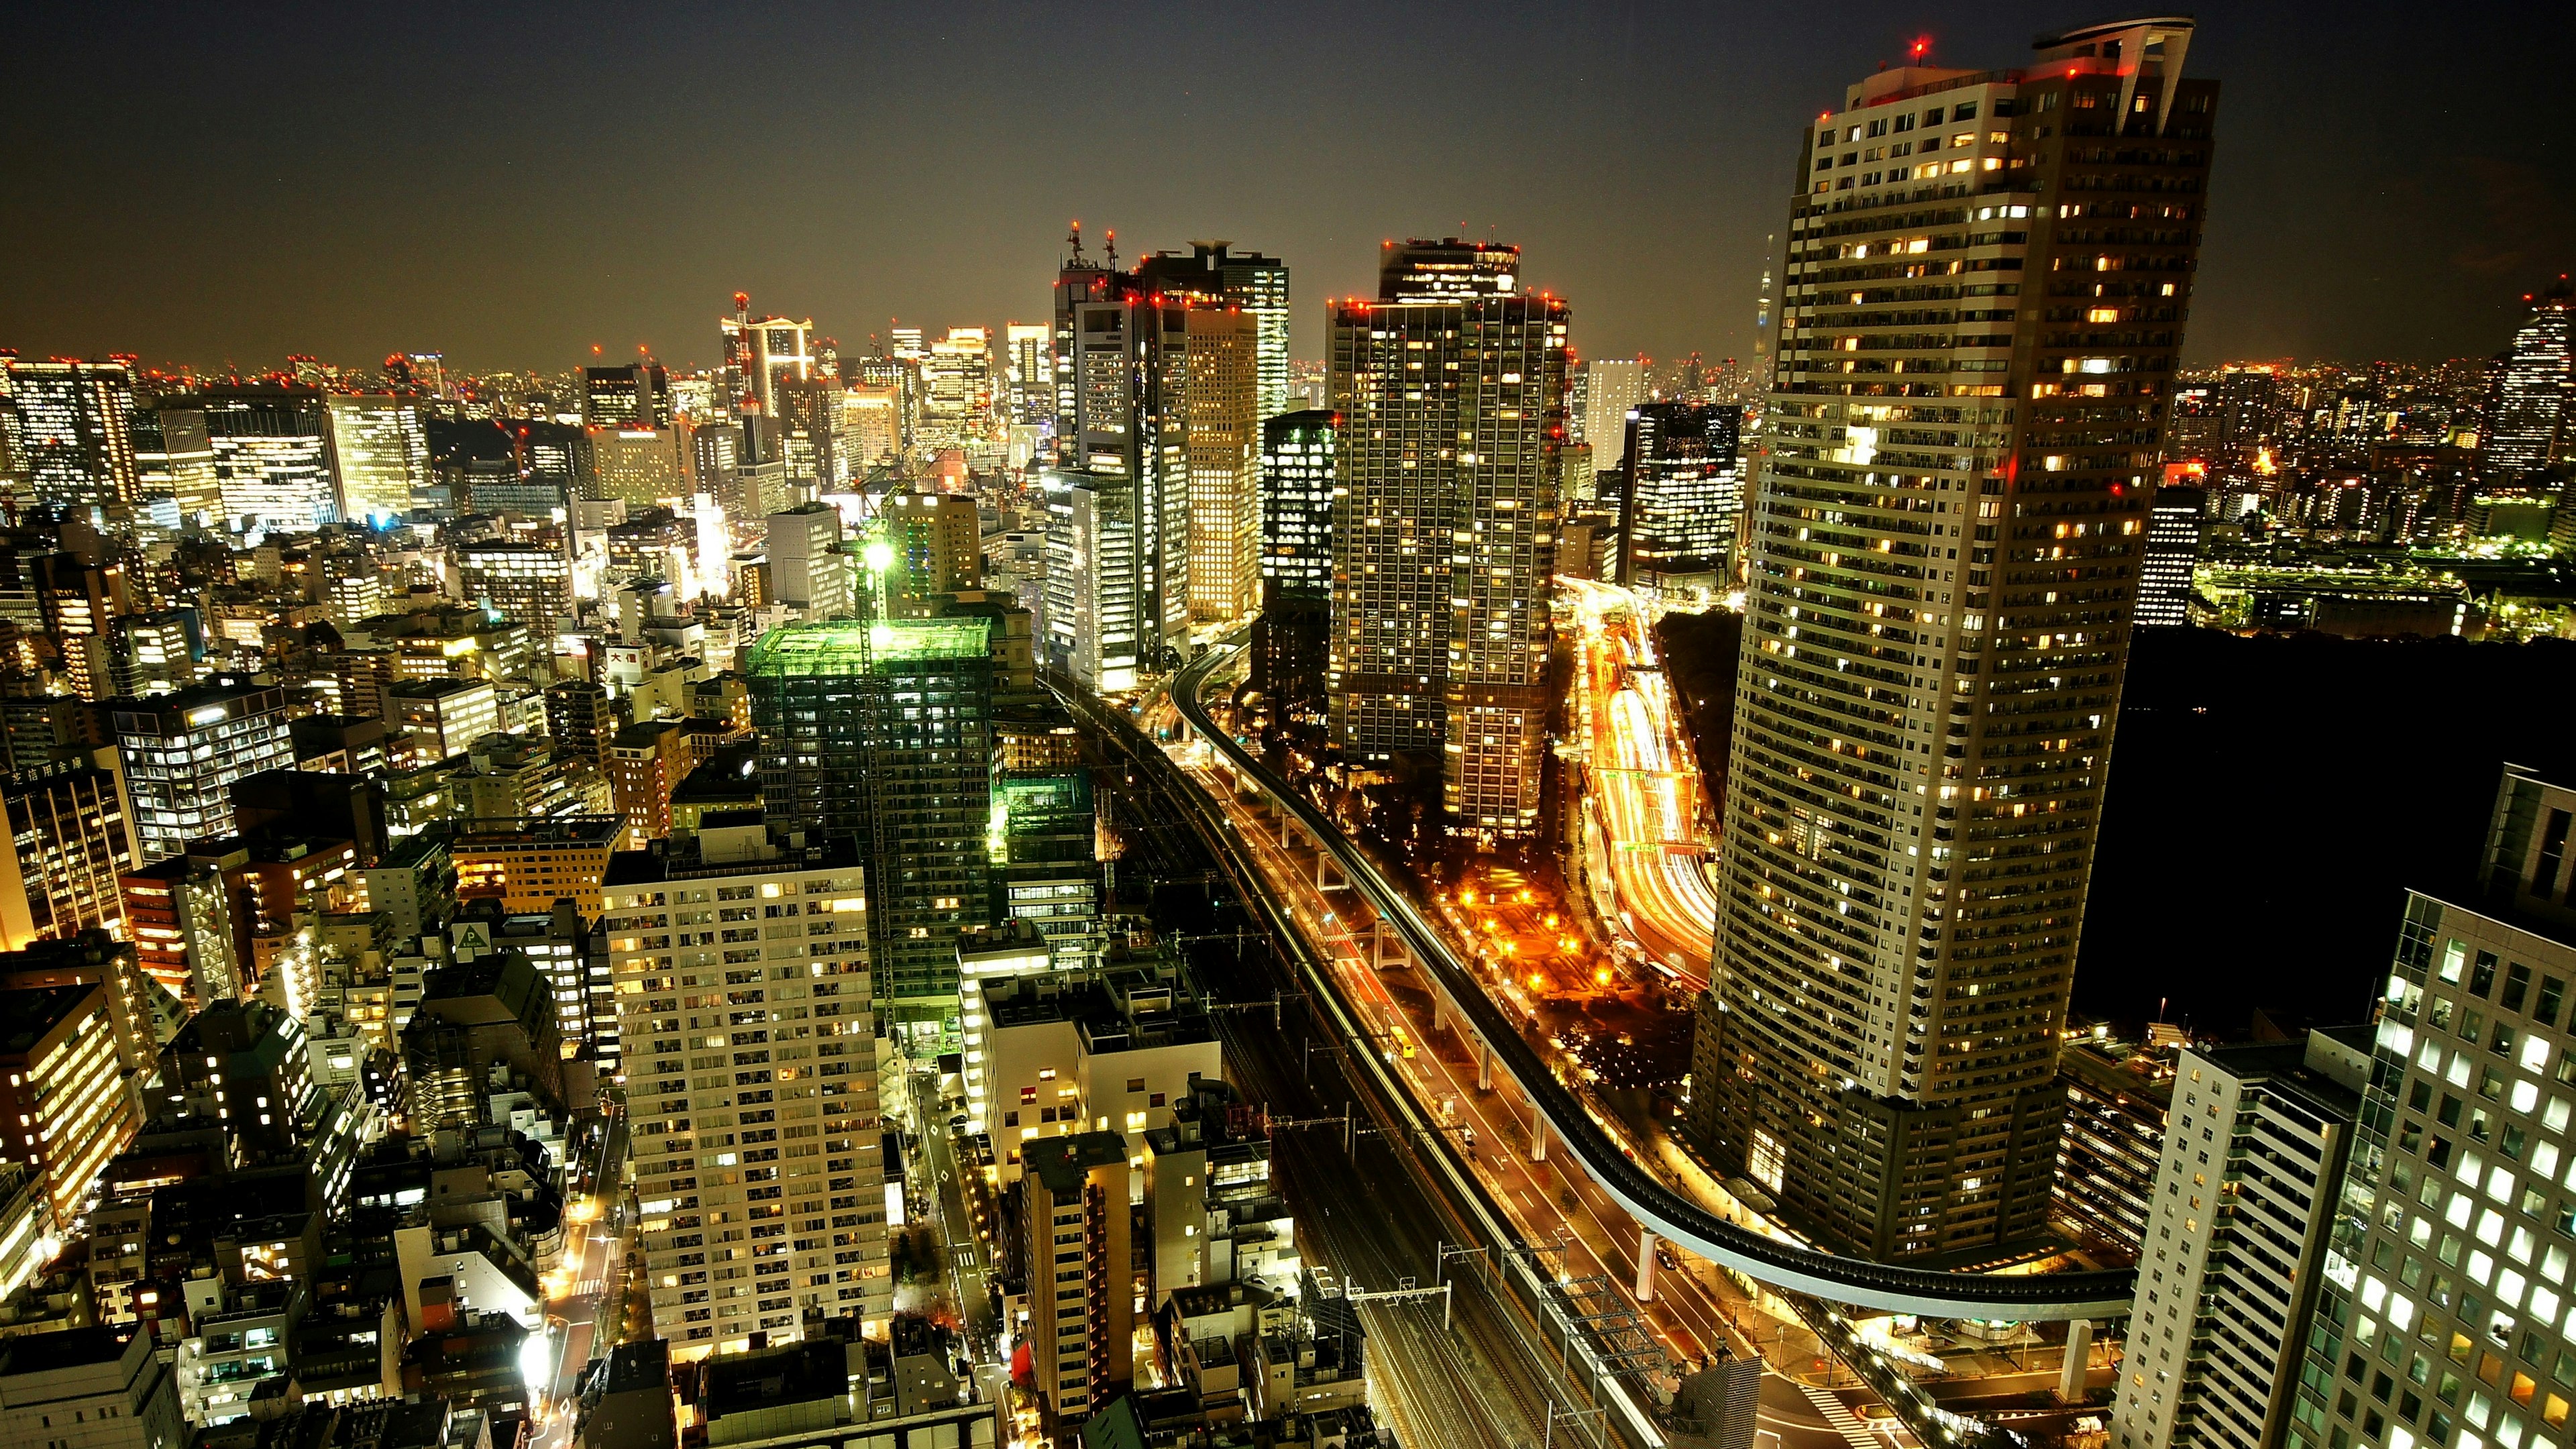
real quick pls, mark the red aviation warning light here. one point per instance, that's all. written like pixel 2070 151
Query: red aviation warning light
pixel 1922 48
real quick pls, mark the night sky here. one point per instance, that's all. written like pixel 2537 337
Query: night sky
pixel 215 184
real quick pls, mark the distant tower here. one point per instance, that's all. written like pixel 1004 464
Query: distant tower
pixel 2527 422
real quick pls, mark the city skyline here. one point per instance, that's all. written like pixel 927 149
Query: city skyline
pixel 1659 228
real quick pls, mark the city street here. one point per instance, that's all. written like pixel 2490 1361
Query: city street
pixel 1643 827
pixel 585 1290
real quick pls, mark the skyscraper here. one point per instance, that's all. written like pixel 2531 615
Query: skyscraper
pixel 1451 385
pixel 2527 419
pixel 1684 491
pixel 71 429
pixel 1216 275
pixel 2441 1308
pixel 882 732
pixel 637 395
pixel 183 750
pixel 761 353
pixel 1612 387
pixel 379 452
pixel 1297 490
pixel 1028 354
pixel 272 449
pixel 1092 608
pixel 1162 391
pixel 1946 545
pixel 2173 552
pixel 957 387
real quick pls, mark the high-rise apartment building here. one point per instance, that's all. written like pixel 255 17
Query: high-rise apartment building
pixel 183 750
pixel 808 572
pixel 1297 492
pixel 2442 1313
pixel 380 453
pixel 883 733
pixel 2235 1239
pixel 1079 1254
pixel 1945 556
pixel 63 1087
pixel 2527 424
pixel 771 1200
pixel 272 448
pixel 1685 493
pixel 1215 274
pixel 71 429
pixel 1612 388
pixel 1451 387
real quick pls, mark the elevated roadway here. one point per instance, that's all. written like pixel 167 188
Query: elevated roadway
pixel 1563 1117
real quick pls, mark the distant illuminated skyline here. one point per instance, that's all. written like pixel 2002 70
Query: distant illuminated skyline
pixel 207 187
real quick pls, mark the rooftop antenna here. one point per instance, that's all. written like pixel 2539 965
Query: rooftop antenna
pixel 1075 238
pixel 742 306
pixel 1113 248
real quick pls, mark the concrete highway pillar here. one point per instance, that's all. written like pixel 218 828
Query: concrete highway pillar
pixel 1439 1011
pixel 1645 1265
pixel 1538 1134
pixel 1484 1066
pixel 2079 1348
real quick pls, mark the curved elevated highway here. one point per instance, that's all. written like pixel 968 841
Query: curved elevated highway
pixel 1656 1207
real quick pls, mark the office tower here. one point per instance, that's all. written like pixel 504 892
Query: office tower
pixel 174 459
pixel 72 432
pixel 2527 427
pixel 641 466
pixel 2249 408
pixel 272 449
pixel 957 388
pixel 68 845
pixel 1028 353
pixel 444 717
pixel 2165 572
pixel 759 355
pixel 1161 388
pixel 1248 282
pixel 1092 608
pixel 2444 1296
pixel 182 752
pixel 1219 452
pixel 809 440
pixel 1451 386
pixel 380 452
pixel 530 583
pixel 1685 489
pixel 808 572
pixel 92 957
pixel 2236 1239
pixel 882 733
pixel 1297 492
pixel 637 396
pixel 872 422
pixel 1079 1236
pixel 1612 388
pixel 1917 773
pixel 938 545
pixel 63 1087
pixel 748 1249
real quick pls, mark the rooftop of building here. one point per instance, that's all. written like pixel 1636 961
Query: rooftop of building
pixel 725 845
pixel 798 1373
pixel 577 831
pixel 27 1015
pixel 641 1364
pixel 69 1348
pixel 441 688
pixel 1062 1163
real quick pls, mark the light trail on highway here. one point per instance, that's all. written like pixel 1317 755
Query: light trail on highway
pixel 1642 787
